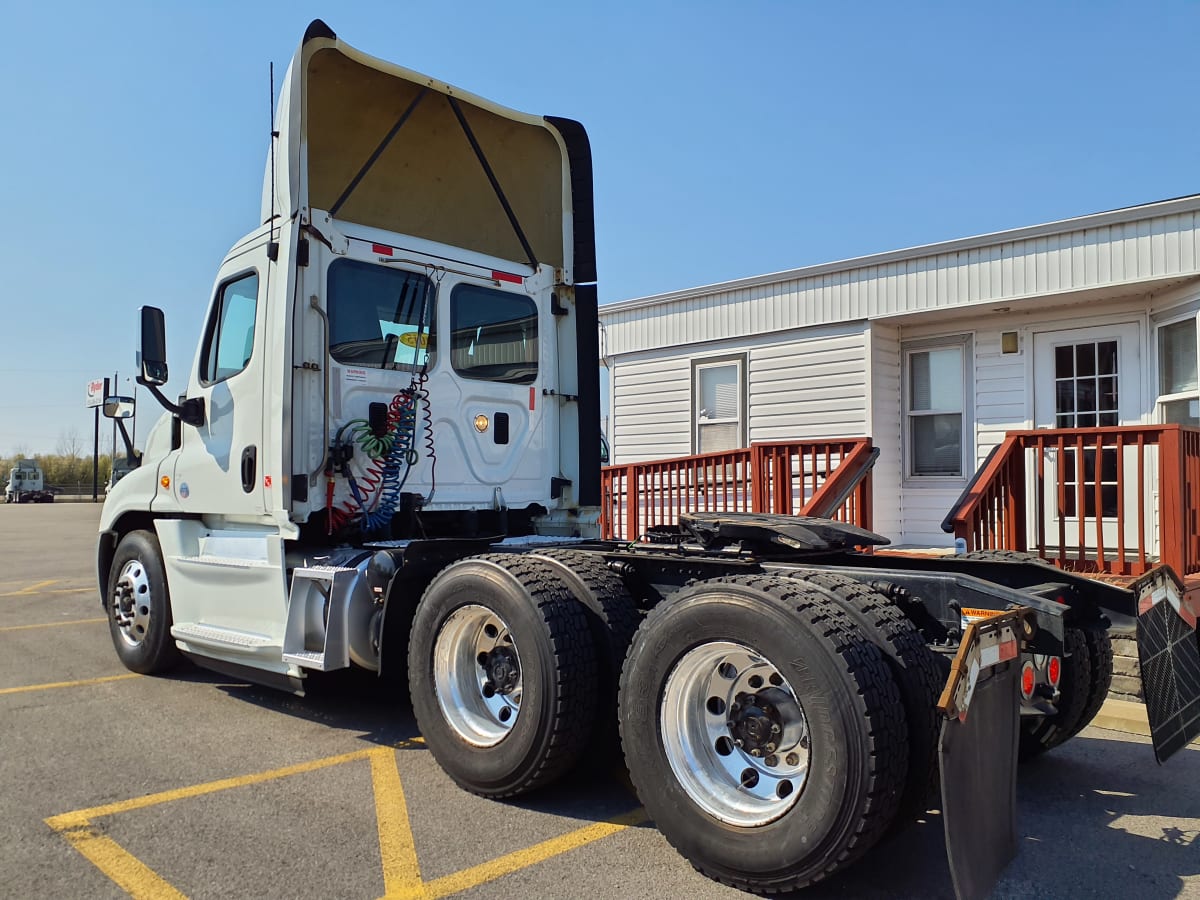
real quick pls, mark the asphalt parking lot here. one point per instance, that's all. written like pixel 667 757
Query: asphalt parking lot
pixel 114 784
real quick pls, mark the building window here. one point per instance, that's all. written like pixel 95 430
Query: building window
pixel 1178 397
pixel 229 341
pixel 718 389
pixel 1085 385
pixel 936 410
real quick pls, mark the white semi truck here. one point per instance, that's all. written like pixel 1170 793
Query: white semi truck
pixel 385 457
pixel 26 484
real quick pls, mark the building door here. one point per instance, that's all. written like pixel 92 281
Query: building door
pixel 1087 379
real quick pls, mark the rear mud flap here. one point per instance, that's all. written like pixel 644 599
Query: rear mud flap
pixel 1169 653
pixel 977 752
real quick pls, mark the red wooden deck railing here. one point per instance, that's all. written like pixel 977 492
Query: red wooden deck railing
pixel 829 478
pixel 1106 500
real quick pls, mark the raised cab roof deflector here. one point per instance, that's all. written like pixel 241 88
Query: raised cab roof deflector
pixel 381 145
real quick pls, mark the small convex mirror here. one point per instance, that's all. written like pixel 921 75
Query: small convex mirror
pixel 152 348
pixel 118 407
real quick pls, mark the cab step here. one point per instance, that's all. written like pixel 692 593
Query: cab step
pixel 227 639
pixel 315 637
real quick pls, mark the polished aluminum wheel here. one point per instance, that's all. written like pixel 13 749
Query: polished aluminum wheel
pixel 477 675
pixel 132 603
pixel 734 733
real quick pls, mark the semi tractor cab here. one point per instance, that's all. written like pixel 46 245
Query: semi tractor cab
pixel 26 484
pixel 385 457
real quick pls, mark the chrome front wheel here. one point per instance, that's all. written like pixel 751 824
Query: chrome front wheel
pixel 139 606
pixel 132 603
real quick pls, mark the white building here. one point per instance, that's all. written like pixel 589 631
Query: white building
pixel 934 352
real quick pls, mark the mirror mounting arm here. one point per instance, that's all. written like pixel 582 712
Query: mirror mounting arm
pixel 190 411
pixel 130 455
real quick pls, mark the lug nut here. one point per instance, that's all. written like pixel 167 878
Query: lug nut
pixel 775 729
pixel 772 760
pixel 756 752
pixel 792 759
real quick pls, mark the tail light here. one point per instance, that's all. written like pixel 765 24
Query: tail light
pixel 1054 670
pixel 1028 680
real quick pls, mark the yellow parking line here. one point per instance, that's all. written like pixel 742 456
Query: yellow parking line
pixel 530 856
pixel 52 624
pixel 130 874
pixel 31 589
pixel 401 871
pixel 66 684
pixel 82 816
pixel 401 868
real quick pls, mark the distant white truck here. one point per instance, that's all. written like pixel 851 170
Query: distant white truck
pixel 26 484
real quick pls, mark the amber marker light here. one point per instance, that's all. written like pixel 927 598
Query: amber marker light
pixel 165 481
pixel 481 423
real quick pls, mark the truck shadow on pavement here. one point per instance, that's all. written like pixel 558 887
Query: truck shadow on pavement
pixel 1096 817
pixel 379 713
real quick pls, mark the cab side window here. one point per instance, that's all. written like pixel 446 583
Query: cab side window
pixel 229 338
pixel 495 335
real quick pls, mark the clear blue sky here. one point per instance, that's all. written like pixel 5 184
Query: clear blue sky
pixel 728 139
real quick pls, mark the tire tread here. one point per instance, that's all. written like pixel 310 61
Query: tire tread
pixel 877 700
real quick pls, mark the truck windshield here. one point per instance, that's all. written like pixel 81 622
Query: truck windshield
pixel 375 315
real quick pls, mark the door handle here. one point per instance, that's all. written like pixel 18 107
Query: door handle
pixel 249 468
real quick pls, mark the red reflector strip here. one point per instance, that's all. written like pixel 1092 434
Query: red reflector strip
pixel 505 276
pixel 381 249
pixel 1008 650
pixel 531 396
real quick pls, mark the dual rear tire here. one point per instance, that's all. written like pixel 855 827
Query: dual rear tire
pixel 764 731
pixel 767 722
pixel 511 661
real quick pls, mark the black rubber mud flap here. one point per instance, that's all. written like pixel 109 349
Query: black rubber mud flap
pixel 977 752
pixel 1169 653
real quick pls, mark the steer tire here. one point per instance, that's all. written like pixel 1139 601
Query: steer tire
pixel 1076 688
pixel 138 604
pixel 854 726
pixel 915 668
pixel 612 617
pixel 557 664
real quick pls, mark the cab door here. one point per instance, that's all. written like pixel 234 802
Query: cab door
pixel 497 419
pixel 218 469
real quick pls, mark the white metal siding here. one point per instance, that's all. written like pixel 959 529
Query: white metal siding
pixel 809 389
pixel 652 407
pixel 884 429
pixel 805 387
pixel 1157 242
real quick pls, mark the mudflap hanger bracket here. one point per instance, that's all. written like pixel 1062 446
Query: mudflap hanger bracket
pixel 977 750
pixel 1169 654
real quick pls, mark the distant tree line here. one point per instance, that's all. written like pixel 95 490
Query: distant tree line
pixel 59 468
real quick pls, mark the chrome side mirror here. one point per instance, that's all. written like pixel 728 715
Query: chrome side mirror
pixel 118 407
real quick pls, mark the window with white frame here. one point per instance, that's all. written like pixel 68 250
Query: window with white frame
pixel 1178 394
pixel 936 409
pixel 718 388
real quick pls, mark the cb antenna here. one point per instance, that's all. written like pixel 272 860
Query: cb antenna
pixel 272 245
